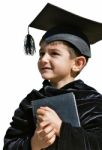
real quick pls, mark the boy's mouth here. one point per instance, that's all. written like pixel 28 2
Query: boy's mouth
pixel 45 68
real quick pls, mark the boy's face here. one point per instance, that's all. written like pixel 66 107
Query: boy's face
pixel 55 63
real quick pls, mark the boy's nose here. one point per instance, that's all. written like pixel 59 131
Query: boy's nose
pixel 45 58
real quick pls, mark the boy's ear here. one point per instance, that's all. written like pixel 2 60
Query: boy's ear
pixel 79 63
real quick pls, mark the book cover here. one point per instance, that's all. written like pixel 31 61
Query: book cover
pixel 64 105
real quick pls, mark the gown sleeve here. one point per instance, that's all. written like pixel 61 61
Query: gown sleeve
pixel 89 135
pixel 19 134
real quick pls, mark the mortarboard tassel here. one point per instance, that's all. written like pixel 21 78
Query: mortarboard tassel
pixel 29 44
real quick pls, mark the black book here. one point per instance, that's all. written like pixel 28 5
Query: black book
pixel 64 105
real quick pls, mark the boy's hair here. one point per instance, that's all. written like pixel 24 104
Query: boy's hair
pixel 74 52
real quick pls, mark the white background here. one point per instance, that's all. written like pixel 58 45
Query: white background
pixel 18 72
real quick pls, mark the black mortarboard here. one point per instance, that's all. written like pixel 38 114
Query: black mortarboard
pixel 63 25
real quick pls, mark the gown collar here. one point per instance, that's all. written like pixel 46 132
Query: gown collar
pixel 49 90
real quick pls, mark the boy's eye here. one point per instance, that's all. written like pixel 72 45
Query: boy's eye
pixel 41 54
pixel 55 53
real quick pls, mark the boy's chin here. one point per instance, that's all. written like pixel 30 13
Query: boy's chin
pixel 46 77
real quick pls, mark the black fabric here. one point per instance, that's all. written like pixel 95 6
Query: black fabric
pixel 86 137
pixel 51 16
pixel 70 35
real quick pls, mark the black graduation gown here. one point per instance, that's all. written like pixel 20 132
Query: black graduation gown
pixel 86 137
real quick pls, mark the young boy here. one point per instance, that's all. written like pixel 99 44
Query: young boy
pixel 64 52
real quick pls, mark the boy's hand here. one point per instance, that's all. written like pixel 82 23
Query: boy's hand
pixel 43 138
pixel 48 117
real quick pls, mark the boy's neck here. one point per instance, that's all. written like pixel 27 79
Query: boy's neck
pixel 61 83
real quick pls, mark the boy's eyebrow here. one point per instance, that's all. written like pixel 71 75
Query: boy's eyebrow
pixel 40 50
pixel 51 49
pixel 55 49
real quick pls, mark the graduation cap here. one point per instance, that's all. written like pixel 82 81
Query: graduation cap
pixel 63 25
